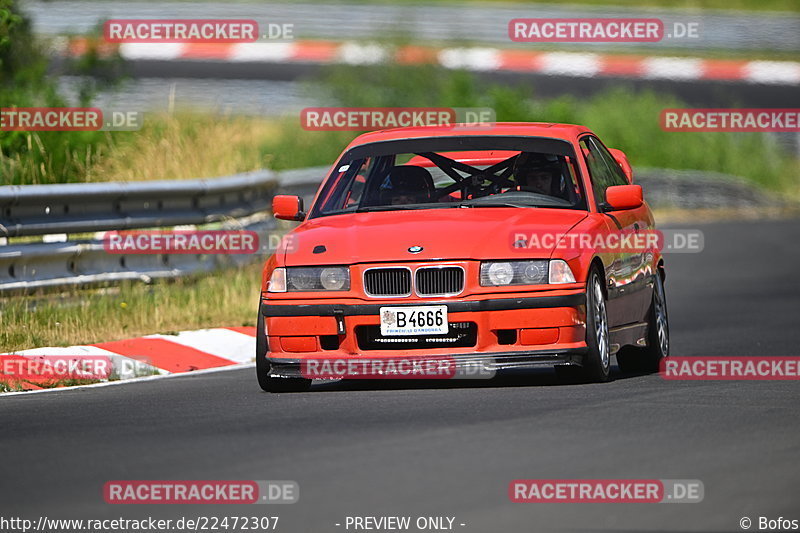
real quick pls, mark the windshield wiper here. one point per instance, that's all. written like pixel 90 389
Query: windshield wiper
pixel 382 208
pixel 495 204
pixel 410 207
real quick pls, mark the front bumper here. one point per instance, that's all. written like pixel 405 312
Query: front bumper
pixel 463 364
pixel 523 330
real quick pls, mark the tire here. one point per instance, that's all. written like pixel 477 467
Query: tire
pixel 646 360
pixel 265 381
pixel 597 361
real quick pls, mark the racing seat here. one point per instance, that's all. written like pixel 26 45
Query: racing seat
pixel 407 180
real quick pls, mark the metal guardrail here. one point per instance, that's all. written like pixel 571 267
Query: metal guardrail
pixel 235 202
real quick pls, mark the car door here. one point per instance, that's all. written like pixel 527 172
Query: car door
pixel 626 269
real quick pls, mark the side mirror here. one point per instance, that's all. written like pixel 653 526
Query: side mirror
pixel 621 197
pixel 287 207
pixel 622 160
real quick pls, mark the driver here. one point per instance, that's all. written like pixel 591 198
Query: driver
pixel 406 184
pixel 402 197
pixel 537 173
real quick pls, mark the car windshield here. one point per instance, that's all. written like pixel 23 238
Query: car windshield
pixel 448 172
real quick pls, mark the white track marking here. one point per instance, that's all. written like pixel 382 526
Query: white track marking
pixel 268 52
pixel 362 54
pixel 673 68
pixel 224 343
pixel 782 72
pixel 570 64
pixel 470 58
pixel 151 50
pixel 125 367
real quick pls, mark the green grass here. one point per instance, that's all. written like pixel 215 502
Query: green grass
pixel 200 145
pixel 45 157
pixel 130 310
pixel 181 146
pixel 630 122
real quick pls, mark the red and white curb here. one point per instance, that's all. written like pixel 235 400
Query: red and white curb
pixel 163 355
pixel 587 65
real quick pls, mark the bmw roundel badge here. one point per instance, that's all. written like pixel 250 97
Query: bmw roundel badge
pixel 415 249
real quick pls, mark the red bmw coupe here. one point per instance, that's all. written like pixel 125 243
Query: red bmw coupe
pixel 498 245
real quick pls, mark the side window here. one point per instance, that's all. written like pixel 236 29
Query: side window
pixel 616 170
pixel 603 169
pixel 335 196
pixel 359 184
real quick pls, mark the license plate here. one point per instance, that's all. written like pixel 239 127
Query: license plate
pixel 416 320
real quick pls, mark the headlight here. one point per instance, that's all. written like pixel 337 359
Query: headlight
pixel 335 278
pixel 560 272
pixel 307 279
pixel 497 273
pixel 303 279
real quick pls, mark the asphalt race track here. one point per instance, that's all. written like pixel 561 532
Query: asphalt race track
pixel 451 450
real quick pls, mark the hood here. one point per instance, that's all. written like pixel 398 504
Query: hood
pixel 443 234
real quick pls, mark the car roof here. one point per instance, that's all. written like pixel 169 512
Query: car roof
pixel 532 129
